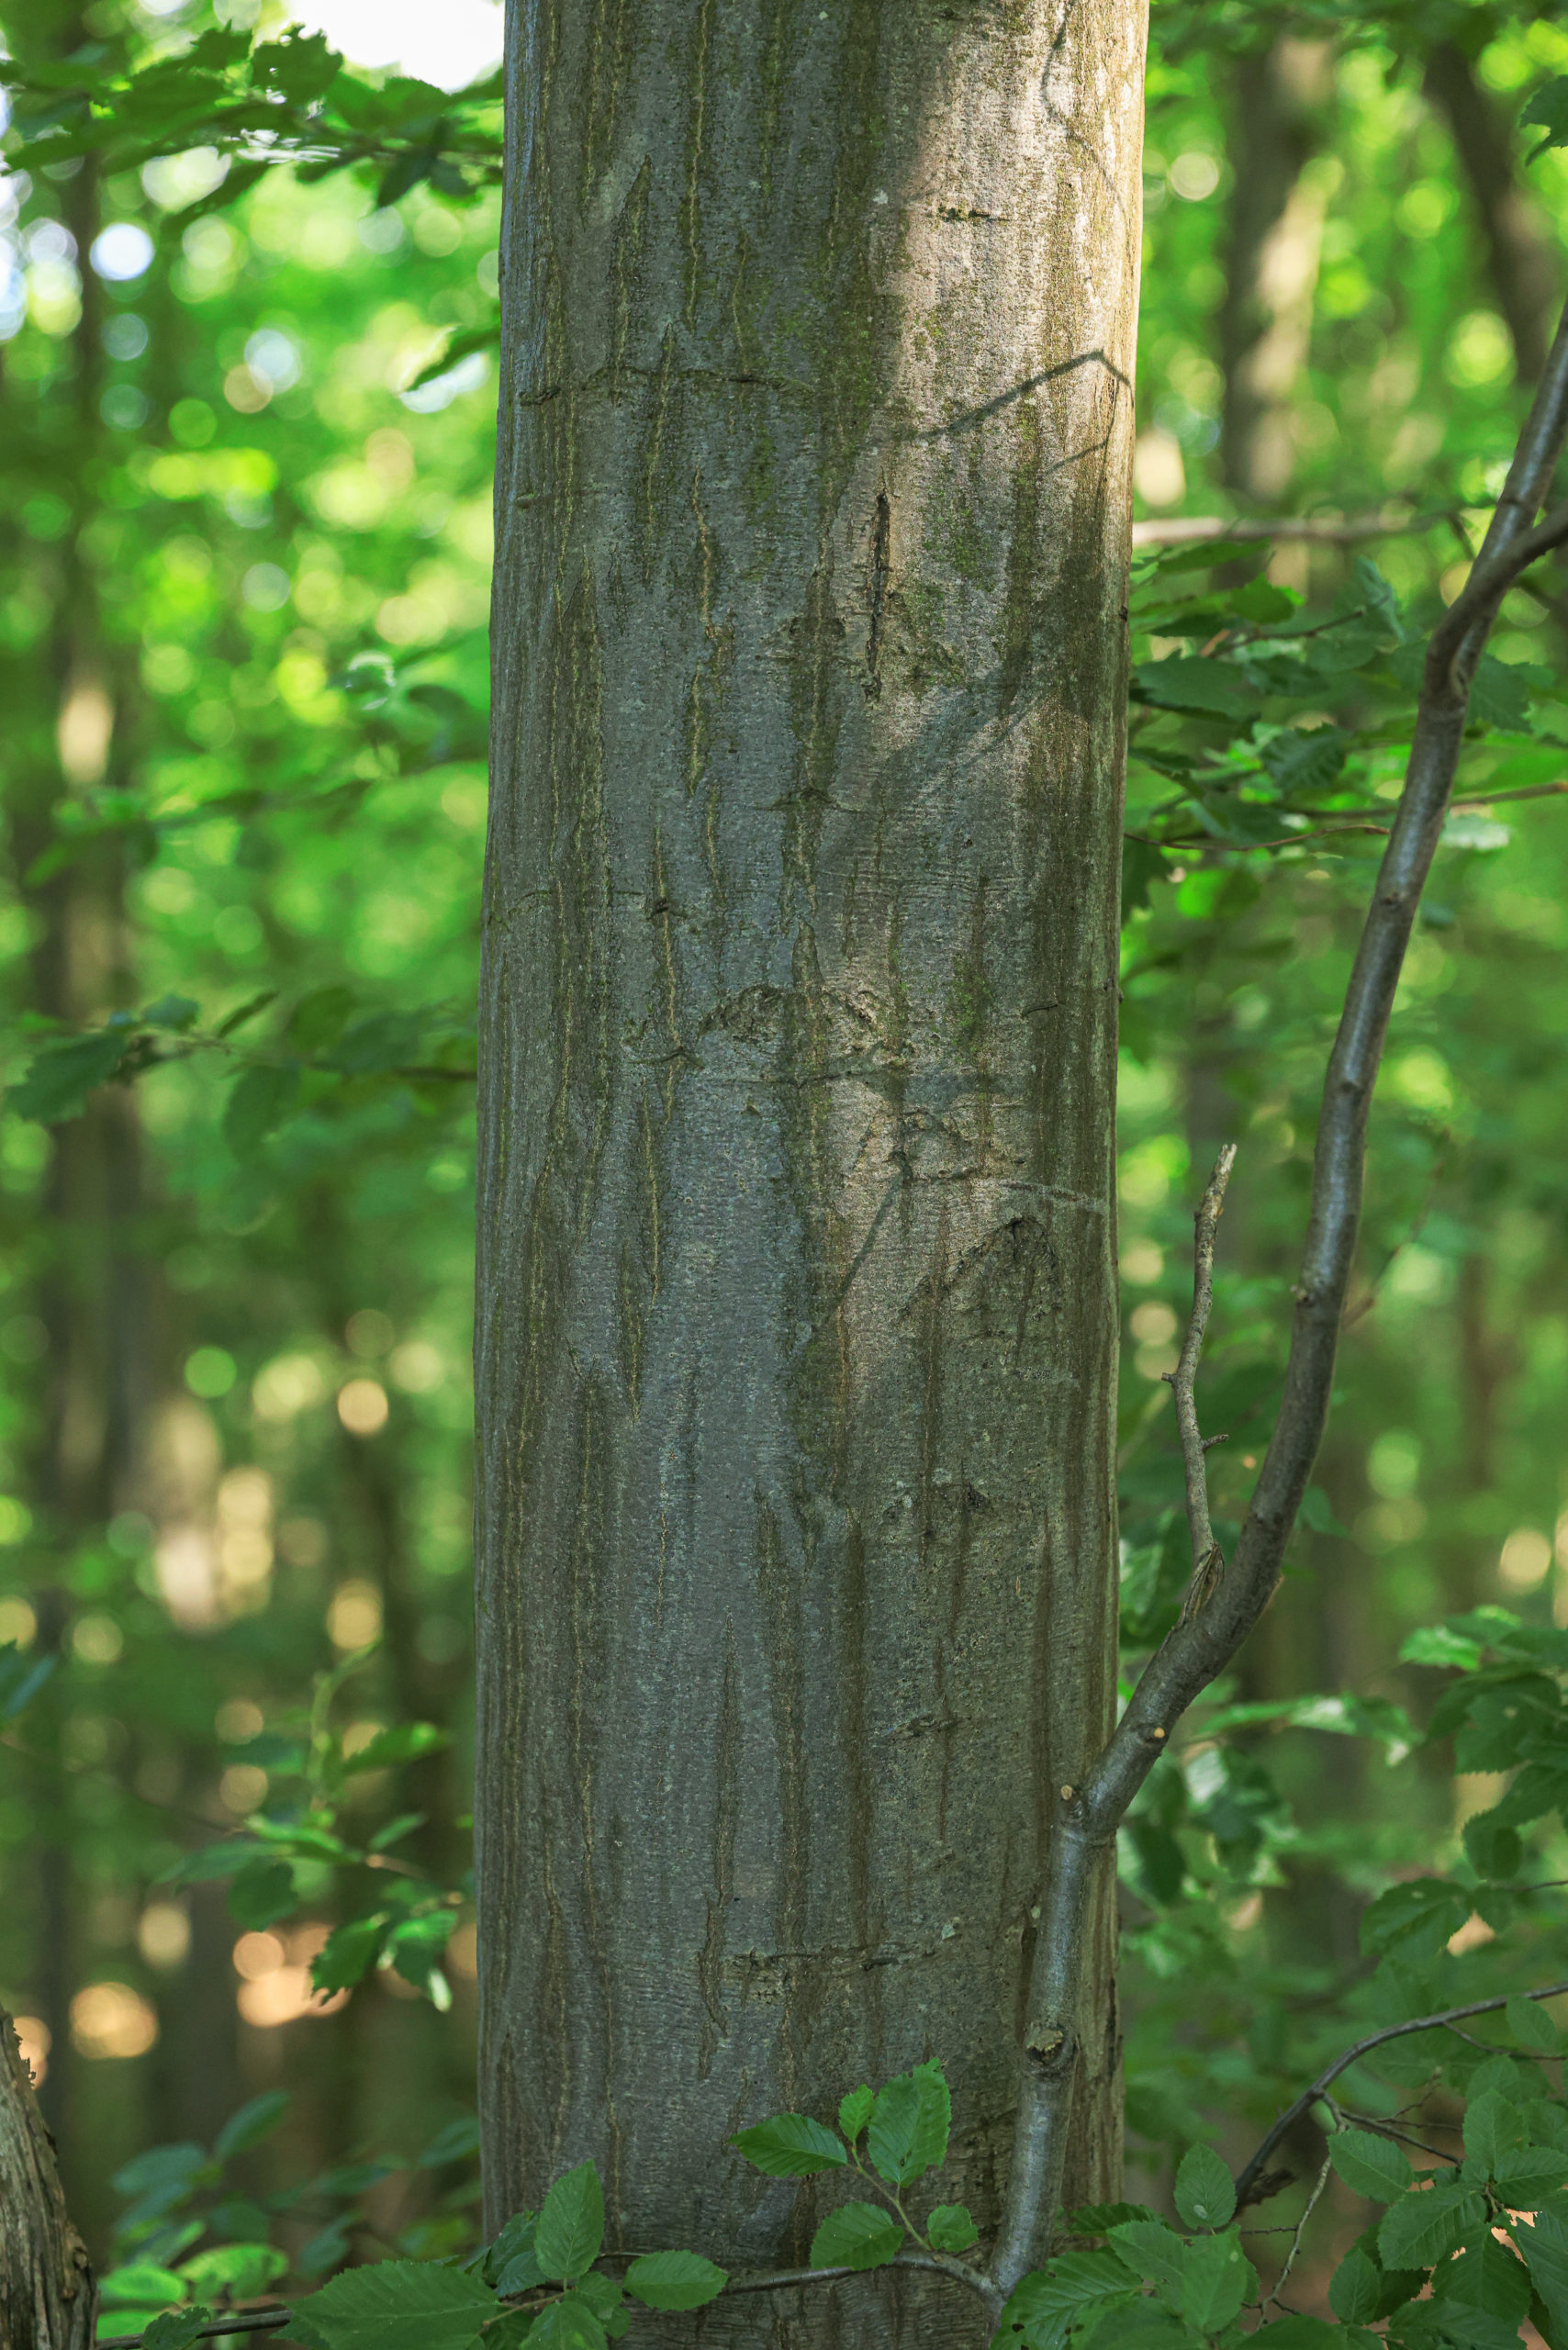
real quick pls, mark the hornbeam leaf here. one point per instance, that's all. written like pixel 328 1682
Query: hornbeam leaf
pixel 396 2305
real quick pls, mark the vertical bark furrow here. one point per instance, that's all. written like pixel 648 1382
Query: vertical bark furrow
pixel 796 1287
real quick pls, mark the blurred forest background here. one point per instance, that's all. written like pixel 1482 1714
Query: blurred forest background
pixel 243 585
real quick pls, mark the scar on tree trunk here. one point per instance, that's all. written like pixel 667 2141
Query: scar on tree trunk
pixel 48 2298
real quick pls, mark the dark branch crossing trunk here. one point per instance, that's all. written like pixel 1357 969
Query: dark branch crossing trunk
pixel 797 1308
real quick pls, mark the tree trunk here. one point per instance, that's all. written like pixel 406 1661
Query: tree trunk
pixel 1275 233
pixel 797 1323
pixel 1519 260
pixel 48 2300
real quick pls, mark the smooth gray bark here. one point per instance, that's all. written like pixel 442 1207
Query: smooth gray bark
pixel 797 1321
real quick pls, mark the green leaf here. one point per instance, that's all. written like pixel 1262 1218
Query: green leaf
pixel 60 1077
pixel 1549 108
pixel 403 1743
pixel 262 1893
pixel 176 2329
pixel 395 2305
pixel 1355 2289
pixel 1492 2125
pixel 855 2112
pixel 950 2227
pixel 1206 2195
pixel 349 1952
pixel 1218 2277
pixel 1531 2026
pixel 417 1944
pixel 1371 2165
pixel 1424 2227
pixel 856 2235
pixel 1525 2178
pixel 255 2119
pixel 453 2145
pixel 177 1013
pixel 246 1010
pixel 1299 2333
pixel 1183 681
pixel 462 346
pixel 569 2323
pixel 1152 2250
pixel 907 2131
pixel 1416 1919
pixel 259 1099
pixel 1486 2277
pixel 571 2224
pixel 240 2270
pixel 1309 763
pixel 21 1678
pixel 140 2281
pixel 1494 1847
pixel 1050 2299
pixel 790 2147
pixel 676 2281
pixel 1545 2248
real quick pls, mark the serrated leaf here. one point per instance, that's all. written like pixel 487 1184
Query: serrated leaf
pixel 176 2328
pixel 1206 2194
pixel 791 2145
pixel 907 2134
pixel 417 1944
pixel 1424 2227
pixel 951 2228
pixel 1487 2277
pixel 1549 110
pixel 259 1099
pixel 396 2305
pixel 569 2323
pixel 1217 2279
pixel 1492 2125
pixel 1416 1919
pixel 1056 2296
pixel 262 1892
pixel 1526 2176
pixel 856 2235
pixel 1149 2249
pixel 571 2224
pixel 855 2112
pixel 348 1952
pixel 1183 681
pixel 1531 2024
pixel 253 2122
pixel 1301 762
pixel 676 2281
pixel 1355 2288
pixel 60 1077
pixel 1371 2165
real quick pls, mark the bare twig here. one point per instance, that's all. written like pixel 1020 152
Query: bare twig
pixel 1191 529
pixel 1283 2278
pixel 1207 1561
pixel 1082 1834
pixel 775 2281
pixel 1247 2178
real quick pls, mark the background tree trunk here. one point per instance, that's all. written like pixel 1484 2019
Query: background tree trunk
pixel 1273 236
pixel 1519 263
pixel 47 2297
pixel 797 1292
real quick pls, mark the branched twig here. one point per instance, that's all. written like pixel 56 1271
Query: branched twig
pixel 1283 2278
pixel 1082 1836
pixel 1247 2178
pixel 774 2281
pixel 1207 1562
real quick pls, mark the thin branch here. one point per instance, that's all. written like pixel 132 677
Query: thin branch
pixel 252 2321
pixel 774 2281
pixel 1247 2178
pixel 1207 1561
pixel 1283 2278
pixel 1081 1833
pixel 1191 529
